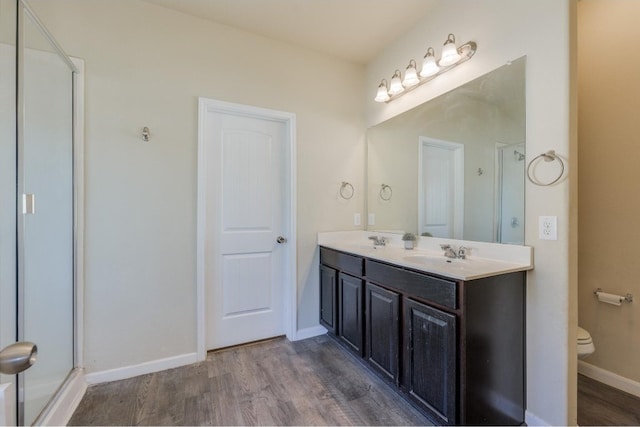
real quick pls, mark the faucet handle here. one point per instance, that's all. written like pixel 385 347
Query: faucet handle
pixel 444 247
pixel 462 252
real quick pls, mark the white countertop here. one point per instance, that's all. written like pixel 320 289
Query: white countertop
pixel 483 259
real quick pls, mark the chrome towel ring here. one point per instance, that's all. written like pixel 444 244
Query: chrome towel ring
pixel 346 190
pixel 549 156
pixel 386 192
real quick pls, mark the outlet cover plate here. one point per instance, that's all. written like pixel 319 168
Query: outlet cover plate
pixel 548 228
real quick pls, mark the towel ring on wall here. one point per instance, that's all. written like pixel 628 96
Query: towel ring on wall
pixel 346 190
pixel 386 192
pixel 549 156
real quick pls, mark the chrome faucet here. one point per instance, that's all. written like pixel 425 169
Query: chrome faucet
pixel 462 252
pixel 378 240
pixel 451 252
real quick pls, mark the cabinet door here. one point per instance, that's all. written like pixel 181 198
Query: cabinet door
pixel 350 291
pixel 383 330
pixel 328 295
pixel 431 360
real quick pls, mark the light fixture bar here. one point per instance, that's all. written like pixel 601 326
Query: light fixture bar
pixel 466 51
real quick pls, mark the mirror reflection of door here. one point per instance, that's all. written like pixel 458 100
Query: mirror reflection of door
pixel 510 159
pixel 441 188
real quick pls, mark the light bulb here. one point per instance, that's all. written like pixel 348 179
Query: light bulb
pixel 395 87
pixel 383 94
pixel 450 53
pixel 429 66
pixel 411 75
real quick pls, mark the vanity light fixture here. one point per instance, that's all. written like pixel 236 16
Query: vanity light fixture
pixel 411 75
pixel 450 53
pixel 395 87
pixel 431 68
pixel 383 92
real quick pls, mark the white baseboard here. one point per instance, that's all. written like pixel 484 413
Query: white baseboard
pixel 532 419
pixel 609 378
pixel 59 412
pixel 141 369
pixel 311 332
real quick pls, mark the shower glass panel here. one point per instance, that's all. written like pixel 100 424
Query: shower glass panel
pixel 46 265
pixel 511 171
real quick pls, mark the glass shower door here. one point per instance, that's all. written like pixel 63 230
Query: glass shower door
pixel 46 225
pixel 510 197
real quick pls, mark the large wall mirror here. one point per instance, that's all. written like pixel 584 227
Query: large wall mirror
pixel 454 167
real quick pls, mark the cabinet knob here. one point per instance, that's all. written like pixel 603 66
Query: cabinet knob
pixel 281 239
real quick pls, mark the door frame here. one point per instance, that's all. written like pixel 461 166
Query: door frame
pixel 458 202
pixel 206 106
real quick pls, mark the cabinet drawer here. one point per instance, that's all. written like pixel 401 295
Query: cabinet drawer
pixel 422 286
pixel 344 262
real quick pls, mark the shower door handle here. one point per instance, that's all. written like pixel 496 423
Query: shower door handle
pixel 28 204
pixel 17 357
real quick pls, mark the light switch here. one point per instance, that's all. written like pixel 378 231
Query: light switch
pixel 372 219
pixel 357 220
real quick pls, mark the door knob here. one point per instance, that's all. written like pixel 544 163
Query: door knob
pixel 281 239
pixel 17 357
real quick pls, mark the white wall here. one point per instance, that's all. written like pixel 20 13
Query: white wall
pixel 506 30
pixel 146 66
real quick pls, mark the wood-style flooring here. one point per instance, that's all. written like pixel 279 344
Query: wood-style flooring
pixel 601 405
pixel 275 382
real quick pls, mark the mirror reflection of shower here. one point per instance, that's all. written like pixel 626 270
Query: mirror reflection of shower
pixel 510 172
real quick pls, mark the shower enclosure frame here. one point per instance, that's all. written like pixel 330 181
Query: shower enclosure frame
pixel 63 401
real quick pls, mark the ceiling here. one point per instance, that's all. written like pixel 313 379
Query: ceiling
pixel 354 30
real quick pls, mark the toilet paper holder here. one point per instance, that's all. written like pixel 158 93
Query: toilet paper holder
pixel 626 298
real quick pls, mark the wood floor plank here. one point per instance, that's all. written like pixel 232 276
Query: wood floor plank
pixel 602 405
pixel 274 382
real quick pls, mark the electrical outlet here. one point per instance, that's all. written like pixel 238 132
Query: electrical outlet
pixel 372 219
pixel 548 228
pixel 357 220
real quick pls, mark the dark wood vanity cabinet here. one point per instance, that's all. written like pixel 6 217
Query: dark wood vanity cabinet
pixel 350 307
pixel 328 298
pixel 382 331
pixel 342 295
pixel 430 359
pixel 456 349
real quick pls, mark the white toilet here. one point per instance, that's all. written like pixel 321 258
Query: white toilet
pixel 585 343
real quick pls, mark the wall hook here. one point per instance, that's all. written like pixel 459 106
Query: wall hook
pixel 146 135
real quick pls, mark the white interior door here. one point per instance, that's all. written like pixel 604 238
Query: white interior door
pixel 247 227
pixel 440 205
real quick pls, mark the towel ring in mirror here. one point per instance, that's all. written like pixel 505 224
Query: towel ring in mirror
pixel 346 190
pixel 549 156
pixel 386 192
